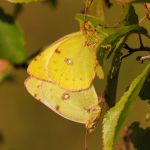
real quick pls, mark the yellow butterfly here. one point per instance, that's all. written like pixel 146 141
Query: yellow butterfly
pixel 82 107
pixel 38 66
pixel 70 63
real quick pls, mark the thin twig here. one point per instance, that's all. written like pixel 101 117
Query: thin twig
pixel 146 8
pixel 127 138
pixel 147 14
pixel 108 3
pixel 143 19
pixel 146 49
pixel 133 50
pixel 85 140
pixel 143 58
pixel 140 39
pixel 25 63
pixel 88 4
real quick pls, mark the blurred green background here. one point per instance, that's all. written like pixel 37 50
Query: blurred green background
pixel 26 124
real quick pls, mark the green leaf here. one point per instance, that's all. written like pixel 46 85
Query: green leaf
pixel 145 91
pixel 112 78
pixel 130 16
pixel 140 137
pixel 115 118
pixel 18 8
pixel 109 43
pixel 12 46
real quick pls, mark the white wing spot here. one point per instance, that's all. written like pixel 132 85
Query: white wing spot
pixel 69 61
pixel 65 96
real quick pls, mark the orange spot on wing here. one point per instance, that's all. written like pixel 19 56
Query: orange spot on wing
pixel 57 51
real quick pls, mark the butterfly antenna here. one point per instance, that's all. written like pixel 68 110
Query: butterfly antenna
pixel 85 140
pixel 87 4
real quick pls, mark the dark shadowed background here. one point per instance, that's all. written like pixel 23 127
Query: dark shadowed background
pixel 26 124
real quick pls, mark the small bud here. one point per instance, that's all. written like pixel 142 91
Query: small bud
pixel 5 69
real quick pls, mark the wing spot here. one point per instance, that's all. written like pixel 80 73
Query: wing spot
pixel 69 61
pixel 50 90
pixel 54 61
pixel 57 51
pixel 57 107
pixel 88 110
pixel 35 95
pixel 65 96
pixel 81 78
pixel 38 86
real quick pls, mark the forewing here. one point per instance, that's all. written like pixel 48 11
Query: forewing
pixel 33 86
pixel 73 65
pixel 38 66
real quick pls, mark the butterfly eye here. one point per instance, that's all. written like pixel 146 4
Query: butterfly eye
pixel 65 96
pixel 69 61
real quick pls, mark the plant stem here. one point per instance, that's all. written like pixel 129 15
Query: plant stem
pixel 143 58
pixel 18 8
pixel 25 64
pixel 112 79
pixel 133 50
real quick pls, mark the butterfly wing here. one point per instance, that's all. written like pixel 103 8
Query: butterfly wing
pixel 38 66
pixel 73 65
pixel 80 106
pixel 33 86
